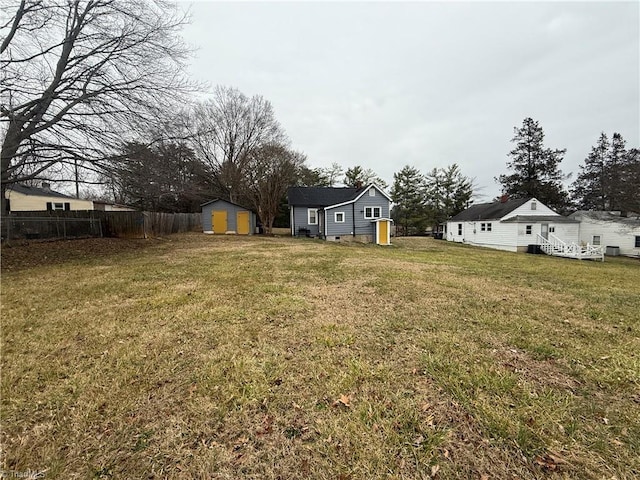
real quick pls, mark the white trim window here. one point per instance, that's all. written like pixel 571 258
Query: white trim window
pixel 312 216
pixel 489 227
pixel 528 229
pixel 372 192
pixel 459 229
pixel 483 227
pixel 338 217
pixel 372 212
pixel 534 205
pixel 596 240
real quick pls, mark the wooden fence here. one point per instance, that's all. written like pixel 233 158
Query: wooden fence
pixel 94 223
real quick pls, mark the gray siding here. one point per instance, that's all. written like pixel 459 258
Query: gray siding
pixel 232 212
pixel 300 220
pixel 363 226
pixel 338 229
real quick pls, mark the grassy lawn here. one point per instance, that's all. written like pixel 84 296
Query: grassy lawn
pixel 224 357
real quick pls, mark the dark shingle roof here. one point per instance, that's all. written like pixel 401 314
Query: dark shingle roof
pixel 489 211
pixel 321 196
pixel 41 192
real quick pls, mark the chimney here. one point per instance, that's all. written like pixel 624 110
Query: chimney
pixel 46 186
pixel 504 198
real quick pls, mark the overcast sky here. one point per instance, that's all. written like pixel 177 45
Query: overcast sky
pixel 428 84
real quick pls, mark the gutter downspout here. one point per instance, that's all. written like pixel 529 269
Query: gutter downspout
pixel 325 223
pixel 353 218
pixel 293 222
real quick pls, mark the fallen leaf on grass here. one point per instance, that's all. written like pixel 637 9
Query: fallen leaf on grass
pixel 344 400
pixel 550 461
pixel 434 470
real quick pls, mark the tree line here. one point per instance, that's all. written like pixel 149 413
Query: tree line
pixel 608 179
pixel 94 92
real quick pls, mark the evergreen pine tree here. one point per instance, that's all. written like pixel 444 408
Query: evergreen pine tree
pixel 590 189
pixel 536 171
pixel 409 211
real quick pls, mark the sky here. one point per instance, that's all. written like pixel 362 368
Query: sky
pixel 428 84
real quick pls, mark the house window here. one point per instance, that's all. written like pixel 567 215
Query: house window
pixel 596 240
pixel 372 212
pixel 312 216
pixel 58 206
pixel 637 241
pixel 534 205
pixel 552 229
pixel 339 217
pixel 528 229
pixel 483 227
pixel 488 227
pixel 459 229
pixel 372 192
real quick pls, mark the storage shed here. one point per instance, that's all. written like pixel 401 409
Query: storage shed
pixel 220 217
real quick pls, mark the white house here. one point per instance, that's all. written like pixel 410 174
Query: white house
pixel 610 229
pixel 22 198
pixel 511 225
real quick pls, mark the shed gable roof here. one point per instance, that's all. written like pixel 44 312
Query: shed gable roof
pixel 226 201
pixel 489 211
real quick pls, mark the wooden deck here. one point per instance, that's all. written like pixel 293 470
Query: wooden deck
pixel 558 248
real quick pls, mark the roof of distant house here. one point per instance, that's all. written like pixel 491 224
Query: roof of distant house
pixel 632 219
pixel 489 211
pixel 39 192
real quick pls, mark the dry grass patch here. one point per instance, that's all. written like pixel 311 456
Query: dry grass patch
pixel 223 357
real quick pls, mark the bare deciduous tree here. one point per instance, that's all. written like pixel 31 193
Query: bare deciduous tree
pixel 78 77
pixel 273 168
pixel 227 129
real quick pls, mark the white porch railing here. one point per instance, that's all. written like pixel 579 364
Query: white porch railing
pixel 559 248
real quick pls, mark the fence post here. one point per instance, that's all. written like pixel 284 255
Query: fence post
pixel 8 229
pixel 64 228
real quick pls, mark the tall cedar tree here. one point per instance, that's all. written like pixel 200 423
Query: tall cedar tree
pixel 408 193
pixel 536 171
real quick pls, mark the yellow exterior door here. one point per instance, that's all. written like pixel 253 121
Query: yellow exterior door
pixel 383 232
pixel 219 221
pixel 243 223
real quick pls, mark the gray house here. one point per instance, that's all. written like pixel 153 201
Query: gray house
pixel 220 217
pixel 341 214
